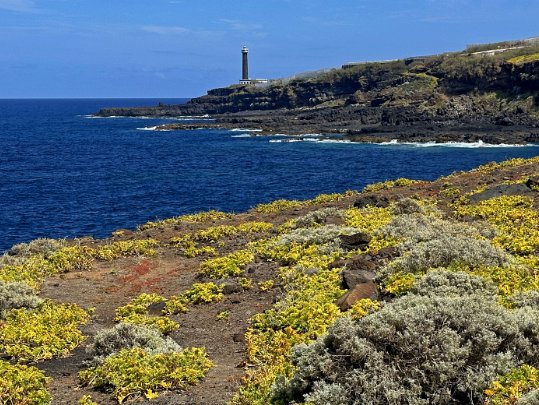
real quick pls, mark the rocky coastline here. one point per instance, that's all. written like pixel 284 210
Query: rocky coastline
pixel 459 97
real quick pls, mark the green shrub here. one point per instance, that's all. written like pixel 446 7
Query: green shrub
pixel 278 206
pixel 51 330
pixel 134 371
pixel 136 312
pixel 420 349
pixel 138 247
pixel 16 295
pixel 508 388
pixel 204 293
pixel 128 336
pixel 23 385
pixel 86 400
pixel 227 266
pixel 207 216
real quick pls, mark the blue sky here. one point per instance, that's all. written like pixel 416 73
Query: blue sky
pixel 181 48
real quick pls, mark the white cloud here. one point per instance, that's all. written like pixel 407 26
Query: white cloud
pixel 165 29
pixel 22 6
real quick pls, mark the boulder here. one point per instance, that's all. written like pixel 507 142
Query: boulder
pixel 500 190
pixel 372 200
pixel 156 309
pixel 351 278
pixel 360 291
pixel 356 241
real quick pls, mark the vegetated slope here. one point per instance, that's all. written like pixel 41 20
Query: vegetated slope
pixel 465 92
pixel 409 292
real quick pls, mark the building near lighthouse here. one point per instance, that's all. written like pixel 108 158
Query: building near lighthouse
pixel 245 80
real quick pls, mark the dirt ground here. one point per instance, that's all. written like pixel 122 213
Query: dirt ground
pixel 109 285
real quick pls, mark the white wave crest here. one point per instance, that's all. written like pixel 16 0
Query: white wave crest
pixel 470 145
pixel 244 130
pixel 315 140
pixel 241 136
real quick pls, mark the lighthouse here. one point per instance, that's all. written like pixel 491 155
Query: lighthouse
pixel 245 71
pixel 245 63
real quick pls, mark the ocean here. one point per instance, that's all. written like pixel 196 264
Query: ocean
pixel 66 174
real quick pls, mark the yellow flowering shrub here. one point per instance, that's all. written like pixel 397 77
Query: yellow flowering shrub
pixel 363 308
pixel 190 248
pixel 204 293
pixel 51 330
pixel 136 312
pixel 254 227
pixel 327 198
pixel 386 185
pixel 400 283
pixel 266 285
pixel 35 268
pixel 278 206
pixel 86 400
pixel 206 216
pixel 138 247
pixel 23 385
pixel 508 388
pixel 305 313
pixel 227 266
pixel 132 372
pixel 513 217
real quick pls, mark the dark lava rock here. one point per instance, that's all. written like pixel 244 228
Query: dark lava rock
pixel 500 190
pixel 156 309
pixel 360 291
pixel 231 287
pixel 371 200
pixel 351 278
pixel 533 183
pixel 355 241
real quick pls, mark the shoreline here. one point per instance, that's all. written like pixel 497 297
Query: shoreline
pixel 489 135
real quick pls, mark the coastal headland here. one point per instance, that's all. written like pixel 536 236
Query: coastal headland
pixel 486 93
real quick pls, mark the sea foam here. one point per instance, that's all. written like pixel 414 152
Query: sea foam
pixel 469 145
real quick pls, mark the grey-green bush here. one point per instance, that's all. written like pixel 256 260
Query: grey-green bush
pixel 420 349
pixel 319 235
pixel 531 398
pixel 445 250
pixel 125 336
pixel 444 282
pixel 41 246
pixel 16 295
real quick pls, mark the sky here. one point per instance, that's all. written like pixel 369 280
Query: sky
pixel 182 48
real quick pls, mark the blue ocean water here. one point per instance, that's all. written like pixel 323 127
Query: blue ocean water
pixel 63 174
